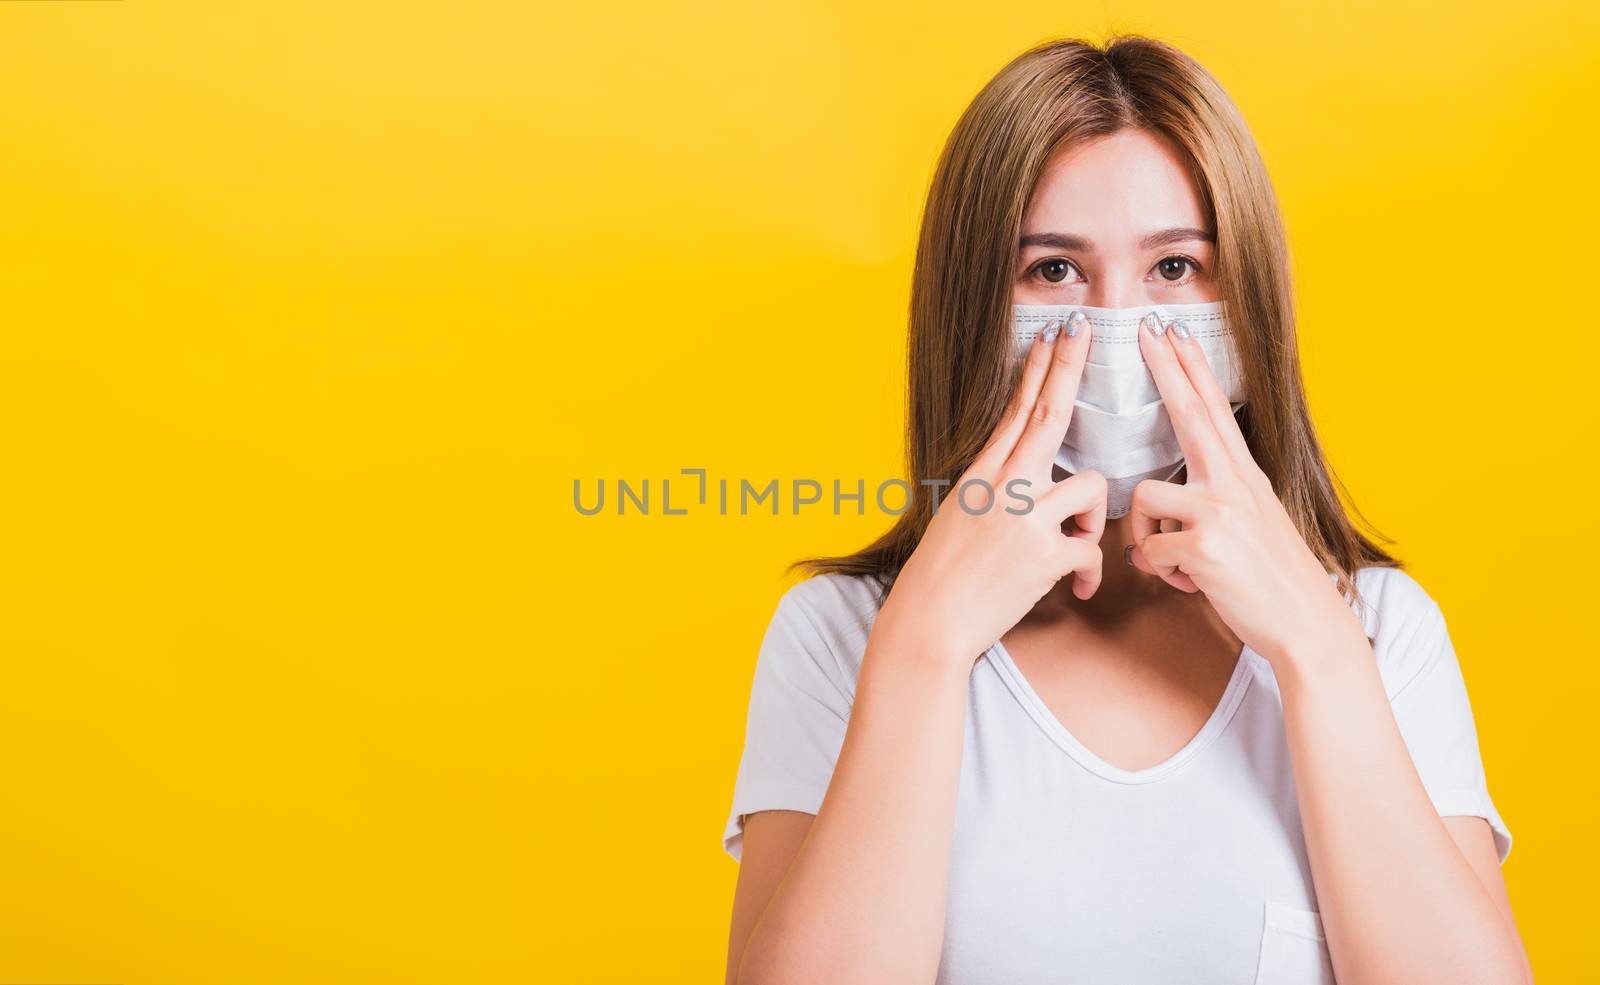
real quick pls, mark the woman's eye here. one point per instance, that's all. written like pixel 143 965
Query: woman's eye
pixel 1173 268
pixel 1054 270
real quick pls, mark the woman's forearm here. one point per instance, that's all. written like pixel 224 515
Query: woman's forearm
pixel 864 899
pixel 1400 903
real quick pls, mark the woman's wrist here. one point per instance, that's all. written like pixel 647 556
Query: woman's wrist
pixel 1331 648
pixel 915 641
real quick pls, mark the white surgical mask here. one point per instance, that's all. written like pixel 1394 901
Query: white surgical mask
pixel 1120 426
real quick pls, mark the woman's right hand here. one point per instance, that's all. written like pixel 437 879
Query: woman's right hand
pixel 978 570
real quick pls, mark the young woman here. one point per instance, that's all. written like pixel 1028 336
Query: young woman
pixel 1167 719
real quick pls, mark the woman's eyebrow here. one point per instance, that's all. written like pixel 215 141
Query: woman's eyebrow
pixel 1164 237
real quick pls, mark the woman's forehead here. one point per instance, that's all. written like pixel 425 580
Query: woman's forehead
pixel 1122 186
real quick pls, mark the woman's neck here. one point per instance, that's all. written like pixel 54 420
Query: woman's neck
pixel 1124 592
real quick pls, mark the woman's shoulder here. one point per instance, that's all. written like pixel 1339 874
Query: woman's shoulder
pixel 1391 594
pixel 1404 622
pixel 839 608
pixel 830 616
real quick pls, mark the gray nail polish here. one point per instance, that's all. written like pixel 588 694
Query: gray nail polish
pixel 1051 331
pixel 1179 328
pixel 1152 321
pixel 1075 323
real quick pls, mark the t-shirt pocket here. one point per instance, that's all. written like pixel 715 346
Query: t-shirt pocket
pixel 1293 948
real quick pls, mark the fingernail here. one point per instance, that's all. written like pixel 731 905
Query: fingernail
pixel 1127 555
pixel 1051 331
pixel 1152 322
pixel 1179 329
pixel 1076 322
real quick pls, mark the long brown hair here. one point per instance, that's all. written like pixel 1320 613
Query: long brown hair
pixel 1054 95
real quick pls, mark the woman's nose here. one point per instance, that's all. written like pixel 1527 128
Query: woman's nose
pixel 1118 292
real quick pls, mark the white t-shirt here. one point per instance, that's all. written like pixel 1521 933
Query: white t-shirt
pixel 1067 869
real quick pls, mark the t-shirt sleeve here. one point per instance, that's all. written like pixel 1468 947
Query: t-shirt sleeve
pixel 800 701
pixel 1430 705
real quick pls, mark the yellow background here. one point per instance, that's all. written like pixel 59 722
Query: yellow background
pixel 314 312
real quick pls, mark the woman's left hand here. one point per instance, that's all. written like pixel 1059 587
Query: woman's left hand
pixel 1237 543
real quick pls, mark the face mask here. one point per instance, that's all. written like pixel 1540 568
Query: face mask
pixel 1120 426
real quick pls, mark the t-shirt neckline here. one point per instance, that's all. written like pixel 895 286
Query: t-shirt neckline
pixel 1000 658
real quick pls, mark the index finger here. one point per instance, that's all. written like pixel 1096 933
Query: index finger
pixel 1197 436
pixel 1052 411
pixel 1193 360
pixel 1004 438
